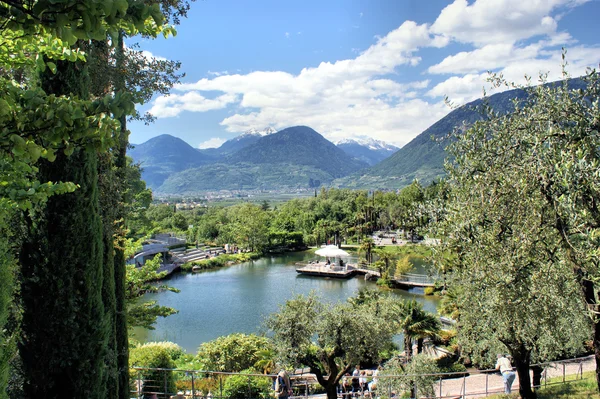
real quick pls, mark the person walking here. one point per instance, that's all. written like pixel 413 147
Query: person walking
pixel 508 375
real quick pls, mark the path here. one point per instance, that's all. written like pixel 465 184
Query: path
pixel 476 386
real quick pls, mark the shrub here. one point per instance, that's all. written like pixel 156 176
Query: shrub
pixel 242 386
pixel 155 355
pixel 234 352
pixel 429 290
pixel 410 375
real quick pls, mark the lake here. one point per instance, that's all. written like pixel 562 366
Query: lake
pixel 238 298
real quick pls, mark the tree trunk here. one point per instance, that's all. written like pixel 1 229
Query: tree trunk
pixel 331 390
pixel 522 362
pixel 420 345
pixel 587 287
pixel 407 346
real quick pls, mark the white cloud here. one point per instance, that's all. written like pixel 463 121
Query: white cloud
pixel 462 89
pixel 151 56
pixel 487 58
pixel 217 73
pixel 499 21
pixel 173 105
pixel 363 95
pixel 335 98
pixel 214 142
pixel 287 35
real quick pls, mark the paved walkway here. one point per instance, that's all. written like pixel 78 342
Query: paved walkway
pixel 482 385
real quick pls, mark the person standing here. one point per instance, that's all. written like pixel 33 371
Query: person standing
pixel 508 375
pixel 283 386
pixel 355 380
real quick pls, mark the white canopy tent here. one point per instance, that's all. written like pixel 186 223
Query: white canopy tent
pixel 331 251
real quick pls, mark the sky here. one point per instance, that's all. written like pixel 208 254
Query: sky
pixel 355 68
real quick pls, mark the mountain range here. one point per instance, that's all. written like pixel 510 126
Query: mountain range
pixel 296 157
pixel 299 157
pixel 423 157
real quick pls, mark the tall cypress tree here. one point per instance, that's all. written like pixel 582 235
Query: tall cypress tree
pixel 64 328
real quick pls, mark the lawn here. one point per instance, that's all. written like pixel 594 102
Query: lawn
pixel 584 389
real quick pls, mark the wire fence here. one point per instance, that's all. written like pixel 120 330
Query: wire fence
pixel 154 383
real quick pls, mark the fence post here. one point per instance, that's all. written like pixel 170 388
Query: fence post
pixel 416 389
pixel 249 388
pixel 464 386
pixel 220 386
pixel 564 375
pixel 193 386
pixel 487 377
pixel 165 379
pixel 306 389
pixel 139 383
pixel 441 386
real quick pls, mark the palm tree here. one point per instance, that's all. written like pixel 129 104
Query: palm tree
pixel 415 323
pixel 266 360
pixel 386 257
pixel 367 246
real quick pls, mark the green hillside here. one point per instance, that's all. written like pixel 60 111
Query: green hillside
pixel 423 158
pixel 300 145
pixel 164 155
pixel 243 176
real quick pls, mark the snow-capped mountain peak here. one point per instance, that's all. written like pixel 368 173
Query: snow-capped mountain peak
pixel 255 132
pixel 369 143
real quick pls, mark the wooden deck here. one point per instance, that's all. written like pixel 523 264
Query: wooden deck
pixel 335 271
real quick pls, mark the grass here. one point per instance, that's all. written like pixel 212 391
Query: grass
pixel 585 388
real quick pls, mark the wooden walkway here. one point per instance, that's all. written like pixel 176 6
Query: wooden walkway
pixel 414 280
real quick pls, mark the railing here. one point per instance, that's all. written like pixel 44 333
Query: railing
pixel 415 278
pixel 194 384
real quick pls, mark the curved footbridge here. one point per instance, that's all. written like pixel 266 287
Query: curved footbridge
pixel 321 269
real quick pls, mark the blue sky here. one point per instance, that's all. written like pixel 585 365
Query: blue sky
pixel 355 68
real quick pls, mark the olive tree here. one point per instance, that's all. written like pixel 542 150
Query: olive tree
pixel 522 219
pixel 329 339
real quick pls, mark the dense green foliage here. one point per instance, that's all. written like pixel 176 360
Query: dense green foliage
pixel 242 387
pixel 139 281
pixel 333 215
pixel 523 224
pixel 160 355
pixel 62 269
pixel 417 377
pixel 235 352
pixel 65 94
pixel 328 339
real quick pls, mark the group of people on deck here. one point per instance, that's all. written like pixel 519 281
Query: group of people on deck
pixel 330 263
pixel 357 383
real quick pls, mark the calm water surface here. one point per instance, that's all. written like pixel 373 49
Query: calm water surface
pixel 238 298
